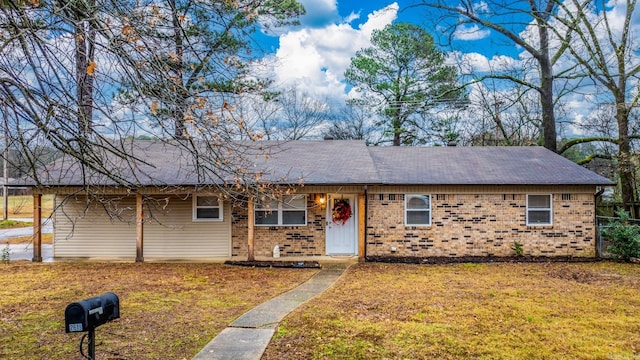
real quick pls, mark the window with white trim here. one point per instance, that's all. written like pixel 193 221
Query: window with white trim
pixel 290 210
pixel 539 210
pixel 207 208
pixel 417 210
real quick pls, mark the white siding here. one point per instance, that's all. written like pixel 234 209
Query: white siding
pixel 169 231
pixel 174 235
pixel 91 233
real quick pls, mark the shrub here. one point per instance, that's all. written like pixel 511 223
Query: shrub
pixel 518 248
pixel 6 255
pixel 624 237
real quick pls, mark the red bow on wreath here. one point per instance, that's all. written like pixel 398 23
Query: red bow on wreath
pixel 341 211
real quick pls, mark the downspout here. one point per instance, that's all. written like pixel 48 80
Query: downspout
pixel 595 220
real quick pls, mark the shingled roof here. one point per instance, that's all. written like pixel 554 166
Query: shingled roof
pixel 531 165
pixel 338 162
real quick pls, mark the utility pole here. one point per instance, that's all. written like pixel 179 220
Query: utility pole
pixel 5 195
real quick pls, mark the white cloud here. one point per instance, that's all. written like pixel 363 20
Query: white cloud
pixel 481 7
pixel 380 18
pixel 314 59
pixel 319 12
pixel 471 32
pixel 478 63
pixel 351 17
pixel 616 13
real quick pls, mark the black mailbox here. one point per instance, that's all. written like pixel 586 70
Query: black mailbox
pixel 90 313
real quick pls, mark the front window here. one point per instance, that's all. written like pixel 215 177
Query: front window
pixel 417 210
pixel 286 211
pixel 539 210
pixel 207 208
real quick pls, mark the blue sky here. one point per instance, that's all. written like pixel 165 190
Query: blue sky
pixel 314 55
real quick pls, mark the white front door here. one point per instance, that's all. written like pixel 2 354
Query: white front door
pixel 342 234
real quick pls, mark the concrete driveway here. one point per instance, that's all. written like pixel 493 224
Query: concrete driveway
pixel 47 228
pixel 25 252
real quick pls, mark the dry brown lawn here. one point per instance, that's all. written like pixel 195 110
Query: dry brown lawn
pixel 375 311
pixel 21 206
pixel 470 311
pixel 46 239
pixel 168 311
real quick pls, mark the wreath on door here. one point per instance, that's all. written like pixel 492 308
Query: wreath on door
pixel 341 211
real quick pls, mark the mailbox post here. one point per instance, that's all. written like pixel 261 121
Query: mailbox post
pixel 86 315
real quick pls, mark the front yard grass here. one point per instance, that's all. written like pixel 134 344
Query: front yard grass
pixel 12 224
pixel 21 206
pixel 470 311
pixel 46 239
pixel 168 311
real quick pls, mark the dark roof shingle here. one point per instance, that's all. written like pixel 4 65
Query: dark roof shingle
pixel 340 162
pixel 531 165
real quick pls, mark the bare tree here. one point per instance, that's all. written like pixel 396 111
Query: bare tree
pixel 608 55
pixel 300 114
pixel 507 117
pixel 260 113
pixel 288 114
pixel 64 61
pixel 354 121
pixel 499 16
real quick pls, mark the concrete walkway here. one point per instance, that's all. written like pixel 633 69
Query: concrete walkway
pixel 248 336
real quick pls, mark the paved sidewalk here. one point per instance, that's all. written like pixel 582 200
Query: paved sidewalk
pixel 6 234
pixel 248 336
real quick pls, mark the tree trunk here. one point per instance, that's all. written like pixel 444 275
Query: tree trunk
pixel 546 90
pixel 625 166
pixel 178 69
pixel 85 66
pixel 396 137
pixel 396 124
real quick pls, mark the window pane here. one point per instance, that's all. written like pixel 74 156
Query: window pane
pixel 267 204
pixel 294 202
pixel 293 218
pixel 418 202
pixel 266 218
pixel 540 201
pixel 207 201
pixel 418 218
pixel 539 217
pixel 208 213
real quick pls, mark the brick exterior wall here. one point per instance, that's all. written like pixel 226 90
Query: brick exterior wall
pixel 481 225
pixel 465 221
pixel 293 240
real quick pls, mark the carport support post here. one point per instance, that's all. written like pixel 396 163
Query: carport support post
pixel 139 229
pixel 37 227
pixel 250 230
